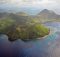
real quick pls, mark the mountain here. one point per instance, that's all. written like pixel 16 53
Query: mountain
pixel 48 14
pixel 22 17
pixel 22 14
pixel 3 15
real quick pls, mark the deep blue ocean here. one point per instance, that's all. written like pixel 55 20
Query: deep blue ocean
pixel 47 47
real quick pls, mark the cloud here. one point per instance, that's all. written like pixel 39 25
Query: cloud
pixel 34 3
pixel 49 4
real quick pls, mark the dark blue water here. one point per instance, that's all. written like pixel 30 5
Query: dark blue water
pixel 47 47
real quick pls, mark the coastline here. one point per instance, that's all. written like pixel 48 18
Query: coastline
pixel 52 31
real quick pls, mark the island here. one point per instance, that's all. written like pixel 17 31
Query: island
pixel 28 31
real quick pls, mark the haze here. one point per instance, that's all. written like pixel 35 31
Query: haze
pixel 31 6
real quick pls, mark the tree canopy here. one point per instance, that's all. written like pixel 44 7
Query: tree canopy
pixel 30 30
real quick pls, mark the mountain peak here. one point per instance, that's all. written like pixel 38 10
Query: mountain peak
pixel 22 14
pixel 45 10
pixel 47 14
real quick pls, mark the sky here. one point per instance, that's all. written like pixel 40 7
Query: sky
pixel 30 5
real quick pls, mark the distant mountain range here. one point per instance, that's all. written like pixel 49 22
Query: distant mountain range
pixel 48 14
pixel 44 14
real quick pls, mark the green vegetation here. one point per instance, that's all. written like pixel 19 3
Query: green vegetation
pixel 29 30
pixel 5 24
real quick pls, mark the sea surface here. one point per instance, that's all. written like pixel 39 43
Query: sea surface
pixel 47 47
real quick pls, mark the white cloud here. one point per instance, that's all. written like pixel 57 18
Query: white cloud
pixel 34 3
pixel 49 4
pixel 31 3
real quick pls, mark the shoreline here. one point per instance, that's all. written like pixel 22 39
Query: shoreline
pixel 52 31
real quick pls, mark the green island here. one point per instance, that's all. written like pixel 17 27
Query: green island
pixel 31 29
pixel 21 25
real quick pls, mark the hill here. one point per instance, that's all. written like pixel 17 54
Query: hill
pixel 48 14
pixel 21 26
